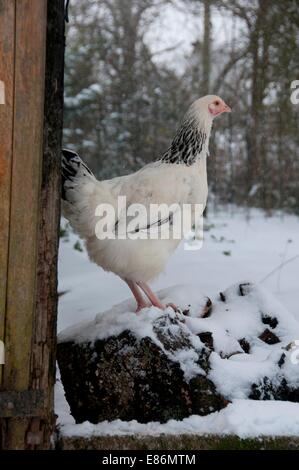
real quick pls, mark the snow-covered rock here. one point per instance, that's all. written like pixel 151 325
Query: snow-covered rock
pixel 156 375
pixel 156 366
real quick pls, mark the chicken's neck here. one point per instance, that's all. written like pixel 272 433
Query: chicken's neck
pixel 190 143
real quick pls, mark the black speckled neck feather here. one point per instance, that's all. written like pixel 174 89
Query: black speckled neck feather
pixel 186 146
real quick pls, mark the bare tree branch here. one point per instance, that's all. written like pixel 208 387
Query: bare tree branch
pixel 228 66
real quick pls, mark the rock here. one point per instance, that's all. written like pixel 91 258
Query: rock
pixel 204 307
pixel 206 312
pixel 126 377
pixel 272 322
pixel 157 366
pixel 267 390
pixel 244 345
pixel 207 338
pixel 245 288
pixel 269 337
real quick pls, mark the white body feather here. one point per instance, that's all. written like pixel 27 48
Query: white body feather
pixel 137 260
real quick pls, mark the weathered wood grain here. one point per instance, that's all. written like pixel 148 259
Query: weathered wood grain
pixel 7 52
pixel 32 204
pixel 29 34
pixel 43 357
pixel 25 189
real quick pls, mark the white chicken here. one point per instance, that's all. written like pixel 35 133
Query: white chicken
pixel 179 177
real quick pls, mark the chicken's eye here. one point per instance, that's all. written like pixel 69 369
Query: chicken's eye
pixel 217 103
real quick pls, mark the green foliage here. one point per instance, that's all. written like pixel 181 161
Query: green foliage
pixel 77 246
pixel 64 231
pixel 227 253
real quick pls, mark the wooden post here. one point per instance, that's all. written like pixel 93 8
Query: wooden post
pixel 31 67
pixel 7 48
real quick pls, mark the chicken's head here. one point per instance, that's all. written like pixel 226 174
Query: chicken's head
pixel 208 107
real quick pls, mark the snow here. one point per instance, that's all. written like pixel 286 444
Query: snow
pixel 236 318
pixel 243 418
pixel 122 317
pixel 257 245
pixel 237 245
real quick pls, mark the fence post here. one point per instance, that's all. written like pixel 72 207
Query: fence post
pixel 30 169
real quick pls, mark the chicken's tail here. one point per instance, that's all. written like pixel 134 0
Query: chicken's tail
pixel 73 172
pixel 78 189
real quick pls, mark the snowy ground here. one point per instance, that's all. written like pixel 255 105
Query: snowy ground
pixel 236 247
pixel 244 418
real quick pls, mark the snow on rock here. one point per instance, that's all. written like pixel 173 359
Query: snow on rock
pixel 156 365
pixel 122 316
pixel 146 367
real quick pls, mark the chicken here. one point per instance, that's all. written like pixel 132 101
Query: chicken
pixel 137 252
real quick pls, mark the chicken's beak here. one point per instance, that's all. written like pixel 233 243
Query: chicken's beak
pixel 226 108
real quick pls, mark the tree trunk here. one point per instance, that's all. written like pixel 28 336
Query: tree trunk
pixel 206 49
pixel 255 151
pixel 206 58
pixel 253 128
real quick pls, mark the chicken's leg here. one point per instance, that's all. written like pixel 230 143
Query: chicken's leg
pixel 153 298
pixel 141 303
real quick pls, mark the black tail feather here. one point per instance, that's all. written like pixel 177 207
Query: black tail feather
pixel 70 167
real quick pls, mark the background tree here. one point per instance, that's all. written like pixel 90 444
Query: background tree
pixel 123 105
